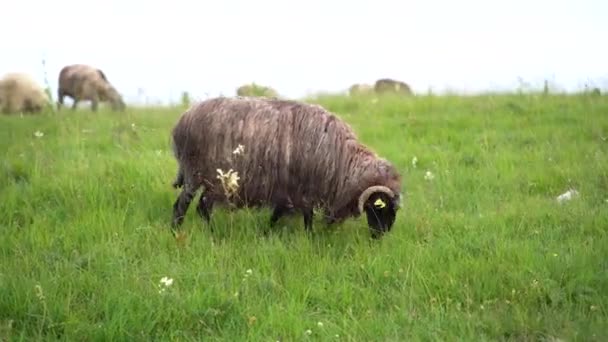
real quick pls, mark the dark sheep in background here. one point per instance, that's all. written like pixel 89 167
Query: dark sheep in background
pixel 84 82
pixel 387 85
pixel 293 154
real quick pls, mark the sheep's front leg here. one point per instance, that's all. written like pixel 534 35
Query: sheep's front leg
pixel 307 213
pixel 180 207
pixel 278 212
pixel 60 96
pixel 94 105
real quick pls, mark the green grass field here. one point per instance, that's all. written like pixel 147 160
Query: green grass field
pixel 482 251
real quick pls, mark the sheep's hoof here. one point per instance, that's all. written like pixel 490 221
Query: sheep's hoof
pixel 176 224
pixel 180 237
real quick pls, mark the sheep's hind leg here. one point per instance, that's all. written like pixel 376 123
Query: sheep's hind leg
pixel 180 207
pixel 204 209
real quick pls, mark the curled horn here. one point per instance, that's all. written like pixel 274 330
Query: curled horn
pixel 369 191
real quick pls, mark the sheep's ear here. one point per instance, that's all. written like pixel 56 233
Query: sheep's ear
pixel 397 201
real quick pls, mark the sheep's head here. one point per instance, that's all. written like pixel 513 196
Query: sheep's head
pixel 119 104
pixel 380 205
pixel 31 106
pixel 115 98
pixel 382 199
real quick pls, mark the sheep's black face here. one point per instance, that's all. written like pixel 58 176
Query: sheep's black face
pixel 381 211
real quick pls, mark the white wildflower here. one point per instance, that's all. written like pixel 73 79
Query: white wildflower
pixel 240 149
pixel 233 180
pixel 166 281
pixel 308 332
pixel 566 196
pixel 414 161
pixel 429 175
pixel 38 134
pixel 247 274
pixel 320 324
pixel 39 292
pixel 229 181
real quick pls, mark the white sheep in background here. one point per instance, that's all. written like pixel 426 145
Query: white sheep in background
pixel 19 93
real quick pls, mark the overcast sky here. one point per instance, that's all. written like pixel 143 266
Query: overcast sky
pixel 300 47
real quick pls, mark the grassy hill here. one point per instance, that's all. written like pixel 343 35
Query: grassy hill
pixel 481 251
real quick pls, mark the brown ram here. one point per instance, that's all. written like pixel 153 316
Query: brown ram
pixel 295 154
pixel 84 82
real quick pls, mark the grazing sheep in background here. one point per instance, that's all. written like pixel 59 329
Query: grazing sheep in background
pixel 256 90
pixel 359 89
pixel 19 93
pixel 387 85
pixel 83 82
pixel 293 154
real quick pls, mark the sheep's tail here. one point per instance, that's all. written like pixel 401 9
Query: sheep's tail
pixel 179 178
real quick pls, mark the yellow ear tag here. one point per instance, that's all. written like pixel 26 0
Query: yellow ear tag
pixel 379 203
